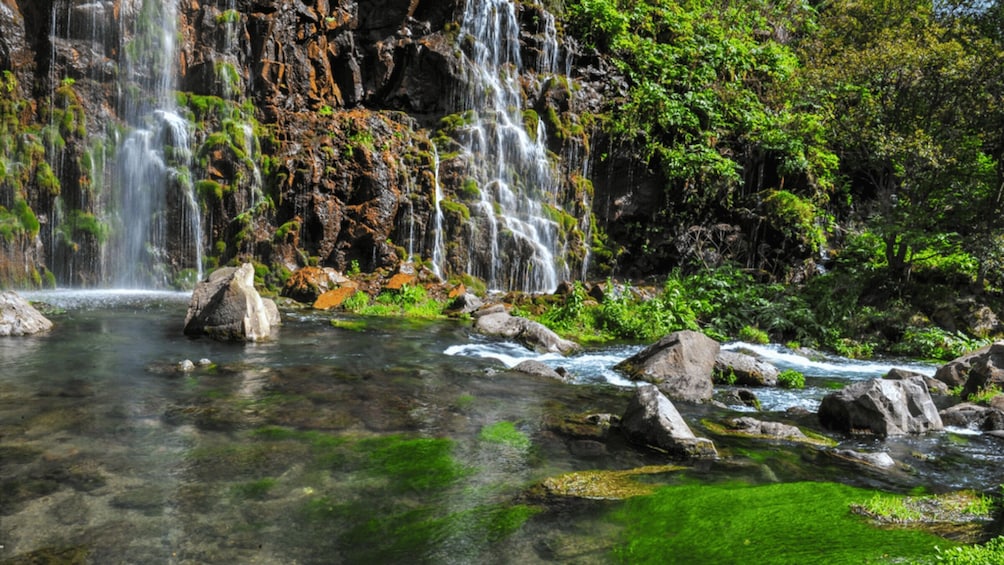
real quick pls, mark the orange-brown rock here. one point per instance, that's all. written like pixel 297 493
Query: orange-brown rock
pixel 399 280
pixel 334 298
pixel 457 291
pixel 308 283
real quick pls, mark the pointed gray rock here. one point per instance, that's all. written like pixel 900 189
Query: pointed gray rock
pixel 652 419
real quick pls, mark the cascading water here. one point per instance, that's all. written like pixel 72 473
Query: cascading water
pixel 156 227
pixel 515 244
pixel 438 247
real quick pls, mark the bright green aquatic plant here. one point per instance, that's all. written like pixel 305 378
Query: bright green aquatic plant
pixel 788 523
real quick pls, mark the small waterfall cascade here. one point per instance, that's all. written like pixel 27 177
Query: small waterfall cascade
pixel 156 225
pixel 438 246
pixel 516 245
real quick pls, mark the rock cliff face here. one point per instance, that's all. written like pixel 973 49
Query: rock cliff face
pixel 283 132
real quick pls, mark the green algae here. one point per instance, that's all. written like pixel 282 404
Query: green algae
pixel 505 433
pixel 258 489
pixel 419 464
pixel 789 523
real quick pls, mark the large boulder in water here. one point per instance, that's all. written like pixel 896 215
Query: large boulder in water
pixel 18 317
pixel 881 407
pixel 227 307
pixel 986 370
pixel 956 372
pixel 680 364
pixel 652 420
pixel 533 335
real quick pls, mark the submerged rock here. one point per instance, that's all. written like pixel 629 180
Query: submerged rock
pixel 738 397
pixel 734 367
pixel 680 365
pixel 881 407
pixel 539 369
pixel 880 459
pixel 601 485
pixel 651 419
pixel 18 317
pixel 533 335
pixel 752 426
pixel 227 307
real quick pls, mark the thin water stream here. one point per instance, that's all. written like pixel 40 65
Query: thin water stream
pixel 358 441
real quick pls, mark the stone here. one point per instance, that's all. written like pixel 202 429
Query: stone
pixel 738 397
pixel 533 335
pixel 465 303
pixel 18 317
pixel 400 280
pixel 307 284
pixel 227 307
pixel 881 407
pixel 539 369
pixel 934 386
pixel 880 459
pixel 956 372
pixel 680 364
pixel 986 370
pixel 735 367
pixel 755 427
pixel 457 291
pixel 974 417
pixel 651 419
pixel 334 298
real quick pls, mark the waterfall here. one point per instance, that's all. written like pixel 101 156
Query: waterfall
pixel 438 247
pixel 516 243
pixel 156 222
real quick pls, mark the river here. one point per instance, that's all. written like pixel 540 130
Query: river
pixel 351 440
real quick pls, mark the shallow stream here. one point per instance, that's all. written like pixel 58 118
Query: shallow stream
pixel 349 440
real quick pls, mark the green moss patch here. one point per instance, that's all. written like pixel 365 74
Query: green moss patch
pixel 790 523
pixel 960 514
pixel 505 433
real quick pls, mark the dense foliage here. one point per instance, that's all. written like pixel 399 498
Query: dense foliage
pixel 854 147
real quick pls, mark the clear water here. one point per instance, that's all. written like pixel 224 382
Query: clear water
pixel 299 450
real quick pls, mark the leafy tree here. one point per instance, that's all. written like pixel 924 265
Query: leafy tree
pixel 904 88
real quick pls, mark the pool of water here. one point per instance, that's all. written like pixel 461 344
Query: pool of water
pixel 342 440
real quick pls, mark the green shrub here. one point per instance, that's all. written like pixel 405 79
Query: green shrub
pixel 790 378
pixel 356 302
pixel 754 335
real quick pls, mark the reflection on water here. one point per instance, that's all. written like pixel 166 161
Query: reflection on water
pixel 393 441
